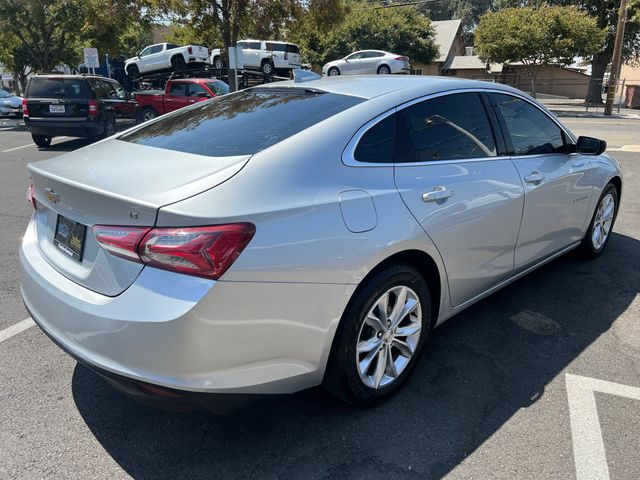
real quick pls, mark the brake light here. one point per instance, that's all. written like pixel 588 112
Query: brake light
pixel 31 194
pixel 93 108
pixel 120 241
pixel 25 108
pixel 402 58
pixel 190 49
pixel 202 251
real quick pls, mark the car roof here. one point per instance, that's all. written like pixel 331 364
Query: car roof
pixel 370 86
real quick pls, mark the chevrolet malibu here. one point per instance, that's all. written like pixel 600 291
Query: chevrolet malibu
pixel 303 233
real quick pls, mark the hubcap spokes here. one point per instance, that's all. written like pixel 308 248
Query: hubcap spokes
pixel 388 337
pixel 603 220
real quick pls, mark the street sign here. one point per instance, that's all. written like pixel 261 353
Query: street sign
pixel 91 59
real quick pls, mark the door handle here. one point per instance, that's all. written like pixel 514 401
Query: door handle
pixel 534 177
pixel 191 101
pixel 438 193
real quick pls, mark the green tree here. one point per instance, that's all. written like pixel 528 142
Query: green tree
pixel 537 36
pixel 15 56
pixel 403 30
pixel 605 12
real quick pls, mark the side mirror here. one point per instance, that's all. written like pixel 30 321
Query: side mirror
pixel 202 95
pixel 590 146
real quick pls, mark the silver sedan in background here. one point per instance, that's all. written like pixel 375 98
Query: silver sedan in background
pixel 303 233
pixel 367 62
pixel 10 104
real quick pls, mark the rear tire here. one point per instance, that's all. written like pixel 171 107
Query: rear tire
pixel 267 67
pixel 41 141
pixel 133 72
pixel 147 114
pixel 599 231
pixel 371 359
pixel 333 72
pixel 178 63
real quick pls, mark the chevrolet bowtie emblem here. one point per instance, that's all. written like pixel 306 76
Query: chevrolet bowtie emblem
pixel 51 195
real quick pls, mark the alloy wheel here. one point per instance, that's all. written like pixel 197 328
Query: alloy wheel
pixel 603 221
pixel 388 337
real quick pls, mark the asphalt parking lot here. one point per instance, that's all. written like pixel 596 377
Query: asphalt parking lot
pixel 541 380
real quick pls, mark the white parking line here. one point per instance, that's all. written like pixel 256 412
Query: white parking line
pixel 7 333
pixel 588 447
pixel 29 145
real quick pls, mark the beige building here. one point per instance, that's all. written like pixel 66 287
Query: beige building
pixel 450 42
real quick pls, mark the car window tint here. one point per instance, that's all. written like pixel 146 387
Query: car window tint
pixel 56 87
pixel 178 89
pixel 531 131
pixel 376 145
pixel 146 51
pixel 355 56
pixel 241 123
pixel 291 48
pixel 250 45
pixel 171 46
pixel 119 91
pixel 449 127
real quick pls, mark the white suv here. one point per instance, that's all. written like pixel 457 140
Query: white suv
pixel 266 56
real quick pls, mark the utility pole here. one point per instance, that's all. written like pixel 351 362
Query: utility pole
pixel 615 59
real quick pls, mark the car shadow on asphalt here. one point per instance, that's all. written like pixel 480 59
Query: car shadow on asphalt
pixel 477 370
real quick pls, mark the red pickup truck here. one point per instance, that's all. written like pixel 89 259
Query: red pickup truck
pixel 177 94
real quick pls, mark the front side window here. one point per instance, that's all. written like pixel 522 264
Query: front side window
pixel 219 88
pixel 531 131
pixel 195 89
pixel 241 123
pixel 354 56
pixel 449 127
pixel 145 52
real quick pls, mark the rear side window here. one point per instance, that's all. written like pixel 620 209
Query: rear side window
pixel 531 131
pixel 449 127
pixel 242 123
pixel 178 89
pixel 376 145
pixel 249 45
pixel 56 87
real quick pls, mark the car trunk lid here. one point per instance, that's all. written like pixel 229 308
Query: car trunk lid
pixel 113 183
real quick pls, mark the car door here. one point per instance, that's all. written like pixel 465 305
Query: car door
pixel 178 96
pixel 351 64
pixel 251 54
pixel 157 60
pixel 557 183
pixel 197 93
pixel 123 106
pixel 143 59
pixel 368 63
pixel 467 196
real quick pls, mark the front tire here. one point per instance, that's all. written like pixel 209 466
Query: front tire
pixel 133 72
pixel 218 63
pixel 42 141
pixel 384 70
pixel 599 231
pixel 147 114
pixel 333 72
pixel 380 336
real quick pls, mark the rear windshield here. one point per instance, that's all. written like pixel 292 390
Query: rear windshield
pixel 242 123
pixel 51 87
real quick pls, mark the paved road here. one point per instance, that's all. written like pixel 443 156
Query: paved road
pixel 489 398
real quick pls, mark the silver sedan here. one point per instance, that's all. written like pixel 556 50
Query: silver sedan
pixel 303 233
pixel 367 62
pixel 10 105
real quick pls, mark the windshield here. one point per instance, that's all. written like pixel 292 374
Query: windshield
pixel 242 123
pixel 219 88
pixel 56 87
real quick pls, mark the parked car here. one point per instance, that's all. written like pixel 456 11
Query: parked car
pixel 303 233
pixel 177 94
pixel 75 106
pixel 368 62
pixel 10 105
pixel 270 57
pixel 165 56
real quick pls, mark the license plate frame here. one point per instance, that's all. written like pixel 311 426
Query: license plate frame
pixel 56 109
pixel 69 237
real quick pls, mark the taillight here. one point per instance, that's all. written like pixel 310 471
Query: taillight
pixel 25 108
pixel 93 108
pixel 201 251
pixel 31 194
pixel 402 58
pixel 190 49
pixel 120 241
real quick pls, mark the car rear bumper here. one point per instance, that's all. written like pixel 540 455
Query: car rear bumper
pixel 72 128
pixel 11 112
pixel 186 333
